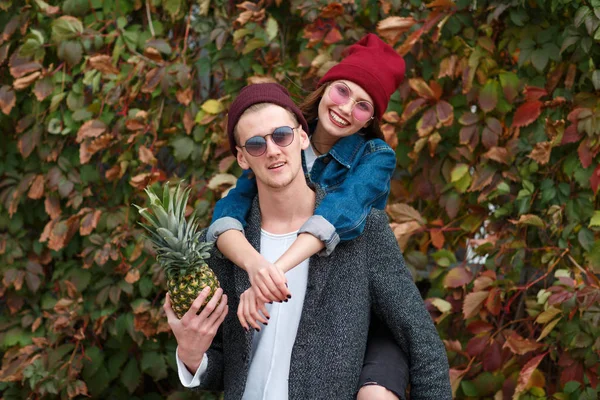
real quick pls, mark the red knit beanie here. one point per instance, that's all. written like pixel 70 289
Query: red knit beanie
pixel 272 93
pixel 372 64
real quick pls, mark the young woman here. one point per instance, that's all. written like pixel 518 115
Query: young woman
pixel 353 165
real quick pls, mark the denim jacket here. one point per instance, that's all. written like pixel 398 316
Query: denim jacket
pixel 355 174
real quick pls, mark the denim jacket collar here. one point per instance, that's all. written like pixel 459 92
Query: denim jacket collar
pixel 345 150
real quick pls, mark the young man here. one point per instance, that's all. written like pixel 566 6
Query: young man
pixel 313 345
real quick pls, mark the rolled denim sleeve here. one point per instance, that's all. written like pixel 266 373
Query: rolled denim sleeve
pixel 222 225
pixel 238 201
pixel 323 230
pixel 366 185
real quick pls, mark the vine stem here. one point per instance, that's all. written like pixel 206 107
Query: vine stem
pixel 149 16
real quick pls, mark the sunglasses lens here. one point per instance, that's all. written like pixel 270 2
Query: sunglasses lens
pixel 256 146
pixel 363 111
pixel 283 136
pixel 339 94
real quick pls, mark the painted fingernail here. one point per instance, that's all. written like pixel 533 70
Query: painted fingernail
pixel 265 323
pixel 286 300
pixel 270 302
pixel 257 330
pixel 268 317
pixel 289 296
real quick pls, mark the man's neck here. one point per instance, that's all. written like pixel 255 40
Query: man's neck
pixel 287 209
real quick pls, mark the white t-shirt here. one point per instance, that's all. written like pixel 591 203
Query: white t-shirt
pixel 310 156
pixel 271 347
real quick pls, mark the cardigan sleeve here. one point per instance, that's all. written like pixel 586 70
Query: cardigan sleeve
pixel 396 300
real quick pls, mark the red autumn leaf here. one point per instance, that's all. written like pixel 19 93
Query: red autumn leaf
pixel 26 81
pixel 90 129
pixel 448 67
pixel 19 67
pixel 412 108
pixel 571 135
pixel 445 112
pixel 188 121
pixel 585 153
pixel 153 78
pixel 488 96
pixel 422 88
pixel 477 344
pixel 494 302
pixel 526 373
pixel 457 277
pixel 43 88
pixel 473 302
pixel 492 356
pixel 469 136
pixel 534 93
pixel 595 179
pixel 427 122
pixel 391 28
pixel 184 96
pixel 410 41
pixel 489 137
pixel 89 222
pixel 541 153
pixel 52 206
pixel 498 154
pixel 36 191
pixel 332 10
pixel 389 135
pixel 90 147
pixel 8 99
pixel 527 113
pixel 477 327
pixel 103 63
pixel 437 238
pixel 333 36
pixel 518 344
pixel 482 177
pixel 146 156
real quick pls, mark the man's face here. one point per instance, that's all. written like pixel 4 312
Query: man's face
pixel 279 166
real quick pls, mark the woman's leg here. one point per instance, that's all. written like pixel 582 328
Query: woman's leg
pixel 385 373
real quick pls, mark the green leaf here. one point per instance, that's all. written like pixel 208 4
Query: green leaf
pixel 539 59
pixel 271 28
pixel 154 364
pixel 488 97
pixel 131 375
pixel 469 388
pixel 173 7
pixel 94 358
pixel 70 51
pixel 253 44
pixel 596 79
pixel 183 147
pixel 581 14
pixel 56 99
pixel 595 221
pixel 65 28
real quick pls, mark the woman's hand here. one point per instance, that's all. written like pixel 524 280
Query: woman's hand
pixel 248 310
pixel 268 282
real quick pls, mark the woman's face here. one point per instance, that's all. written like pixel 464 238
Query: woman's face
pixel 339 120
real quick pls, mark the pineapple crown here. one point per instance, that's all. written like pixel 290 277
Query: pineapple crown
pixel 175 239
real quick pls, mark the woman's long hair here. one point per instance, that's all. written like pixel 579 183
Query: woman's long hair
pixel 310 109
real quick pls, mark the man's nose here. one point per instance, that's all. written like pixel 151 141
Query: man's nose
pixel 272 148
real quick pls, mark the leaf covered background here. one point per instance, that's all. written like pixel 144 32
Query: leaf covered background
pixel 494 202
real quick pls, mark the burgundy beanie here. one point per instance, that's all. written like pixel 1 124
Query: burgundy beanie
pixel 272 93
pixel 372 64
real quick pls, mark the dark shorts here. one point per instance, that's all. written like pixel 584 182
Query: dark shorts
pixel 385 363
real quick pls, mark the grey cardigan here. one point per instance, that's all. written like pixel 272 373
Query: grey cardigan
pixel 364 275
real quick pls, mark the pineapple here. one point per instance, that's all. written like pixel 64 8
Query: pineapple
pixel 177 245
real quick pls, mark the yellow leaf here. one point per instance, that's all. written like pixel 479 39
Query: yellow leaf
pixel 212 106
pixel 221 179
pixel 473 302
pixel 441 305
pixel 548 328
pixel 547 315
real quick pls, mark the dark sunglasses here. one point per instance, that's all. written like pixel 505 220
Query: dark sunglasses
pixel 283 136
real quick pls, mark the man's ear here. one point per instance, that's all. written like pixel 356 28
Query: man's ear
pixel 304 140
pixel 241 158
